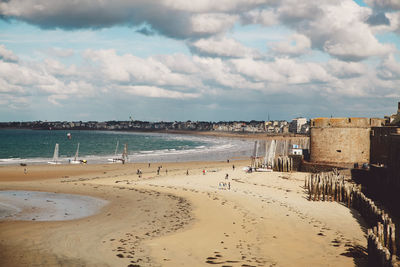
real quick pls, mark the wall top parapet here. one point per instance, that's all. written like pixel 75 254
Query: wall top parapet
pixel 346 122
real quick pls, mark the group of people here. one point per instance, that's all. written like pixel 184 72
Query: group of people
pixel 224 185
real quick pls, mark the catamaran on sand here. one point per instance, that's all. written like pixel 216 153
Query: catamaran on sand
pixel 124 156
pixel 55 156
pixel 75 160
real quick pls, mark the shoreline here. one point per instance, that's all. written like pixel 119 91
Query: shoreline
pixel 213 152
pixel 209 148
pixel 174 219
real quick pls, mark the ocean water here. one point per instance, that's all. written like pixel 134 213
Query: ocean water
pixel 37 146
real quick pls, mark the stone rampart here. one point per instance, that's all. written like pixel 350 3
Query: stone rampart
pixel 341 140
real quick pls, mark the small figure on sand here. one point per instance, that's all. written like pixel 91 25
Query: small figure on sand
pixel 166 171
pixel 25 171
pixel 187 172
pixel 158 171
pixel 223 186
pixel 149 164
pixel 233 167
pixel 227 161
pixel 204 172
pixel 226 176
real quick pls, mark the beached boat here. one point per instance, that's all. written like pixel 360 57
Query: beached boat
pixel 262 163
pixel 55 156
pixel 115 158
pixel 124 156
pixel 76 161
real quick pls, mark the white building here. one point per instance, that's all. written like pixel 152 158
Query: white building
pixel 296 124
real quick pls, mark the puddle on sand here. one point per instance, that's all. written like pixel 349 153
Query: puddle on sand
pixel 46 206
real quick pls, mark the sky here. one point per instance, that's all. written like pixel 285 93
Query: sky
pixel 200 60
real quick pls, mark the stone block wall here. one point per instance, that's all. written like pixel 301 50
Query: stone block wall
pixel 341 140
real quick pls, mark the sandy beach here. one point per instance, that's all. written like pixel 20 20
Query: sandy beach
pixel 175 219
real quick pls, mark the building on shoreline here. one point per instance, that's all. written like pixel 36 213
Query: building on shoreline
pixel 269 127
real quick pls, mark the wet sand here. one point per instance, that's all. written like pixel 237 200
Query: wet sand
pixel 174 219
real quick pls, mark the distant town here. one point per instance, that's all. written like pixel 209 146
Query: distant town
pixel 296 126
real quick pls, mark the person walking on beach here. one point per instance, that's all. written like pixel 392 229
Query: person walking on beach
pixel 25 171
pixel 226 176
pixel 229 185
pixel 233 167
pixel 166 171
pixel 187 172
pixel 158 171
pixel 204 172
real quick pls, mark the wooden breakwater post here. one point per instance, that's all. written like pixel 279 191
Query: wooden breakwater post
pixel 283 164
pixel 382 241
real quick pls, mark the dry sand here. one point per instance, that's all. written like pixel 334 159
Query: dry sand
pixel 174 219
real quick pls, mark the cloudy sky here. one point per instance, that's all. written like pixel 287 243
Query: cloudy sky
pixel 198 60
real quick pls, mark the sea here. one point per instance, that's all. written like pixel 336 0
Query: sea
pixel 37 146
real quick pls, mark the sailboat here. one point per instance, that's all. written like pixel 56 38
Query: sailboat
pixel 76 161
pixel 268 164
pixel 124 156
pixel 260 163
pixel 115 158
pixel 55 156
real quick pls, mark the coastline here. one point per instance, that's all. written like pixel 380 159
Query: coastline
pixel 244 135
pixel 174 219
pixel 178 148
pixel 217 146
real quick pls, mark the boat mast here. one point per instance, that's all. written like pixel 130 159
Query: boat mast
pixel 55 156
pixel 116 149
pixel 76 153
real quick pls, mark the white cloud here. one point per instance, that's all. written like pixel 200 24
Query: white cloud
pixel 211 5
pixel 180 20
pixel 57 68
pixel 222 47
pixel 153 91
pixel 131 69
pixel 389 69
pixel 296 45
pixel 178 63
pixel 343 69
pixel 218 73
pixel 282 70
pixel 266 17
pixel 7 55
pixel 211 23
pixel 56 99
pixel 337 27
pixel 258 71
pixel 60 52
